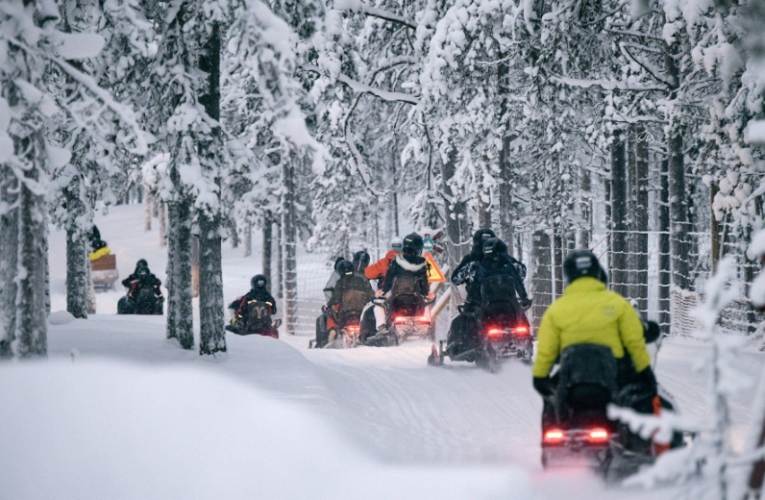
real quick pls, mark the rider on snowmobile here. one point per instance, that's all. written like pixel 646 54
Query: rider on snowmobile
pixel 258 293
pixel 378 270
pixel 325 323
pixel 140 279
pixel 588 313
pixel 352 292
pixel 408 263
pixel 495 261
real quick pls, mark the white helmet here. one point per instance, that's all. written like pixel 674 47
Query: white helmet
pixel 397 244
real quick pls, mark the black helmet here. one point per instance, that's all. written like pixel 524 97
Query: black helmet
pixel 142 264
pixel 581 263
pixel 413 244
pixel 494 247
pixel 480 237
pixel 259 281
pixel 338 261
pixel 360 261
pixel 345 267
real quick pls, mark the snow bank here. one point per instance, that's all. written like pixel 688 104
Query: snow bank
pixel 60 318
pixel 98 430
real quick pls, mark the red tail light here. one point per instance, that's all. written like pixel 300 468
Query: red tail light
pixel 400 319
pixel 494 332
pixel 554 436
pixel 423 319
pixel 353 329
pixel 598 435
pixel 522 330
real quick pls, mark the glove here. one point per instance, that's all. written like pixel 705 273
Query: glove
pixel 525 303
pixel 543 386
pixel 648 380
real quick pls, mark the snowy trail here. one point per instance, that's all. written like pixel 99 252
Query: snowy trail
pixel 386 402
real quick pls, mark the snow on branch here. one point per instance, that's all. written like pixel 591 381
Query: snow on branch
pixel 653 70
pixel 607 84
pixel 363 88
pixel 361 8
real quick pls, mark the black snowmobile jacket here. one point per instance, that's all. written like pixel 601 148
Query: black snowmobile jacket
pixel 262 295
pixel 136 281
pixel 500 265
pixel 413 265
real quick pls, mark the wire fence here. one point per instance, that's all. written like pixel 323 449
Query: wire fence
pixel 660 287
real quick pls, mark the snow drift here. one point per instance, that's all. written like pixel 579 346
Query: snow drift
pixel 97 430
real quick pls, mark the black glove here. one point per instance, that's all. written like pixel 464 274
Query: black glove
pixel 544 386
pixel 648 380
pixel 525 303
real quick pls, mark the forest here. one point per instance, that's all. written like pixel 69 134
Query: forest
pixel 631 128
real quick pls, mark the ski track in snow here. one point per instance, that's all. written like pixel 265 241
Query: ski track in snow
pixel 387 401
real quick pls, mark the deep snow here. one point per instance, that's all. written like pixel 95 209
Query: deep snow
pixel 118 411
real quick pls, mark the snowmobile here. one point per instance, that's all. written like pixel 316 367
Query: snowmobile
pixel 143 301
pixel 257 321
pixel 500 336
pixel 581 433
pixel 407 314
pixel 346 334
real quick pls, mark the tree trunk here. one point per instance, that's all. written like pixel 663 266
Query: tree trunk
pixel 715 229
pixel 76 273
pixel 559 280
pixel 678 209
pixel 619 228
pixel 9 241
pixel 506 232
pixel 279 260
pixel 148 202
pixel 194 266
pixel 182 271
pixel 172 252
pixel 585 208
pixel 268 244
pixel 455 212
pixel 248 239
pixel 76 255
pixel 484 207
pixel 233 232
pixel 394 190
pixel 162 217
pixel 91 289
pixel 641 219
pixel 211 318
pixel 31 320
pixel 289 234
pixel 665 270
pixel 542 280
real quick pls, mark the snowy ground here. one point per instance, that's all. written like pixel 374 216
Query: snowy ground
pixel 120 412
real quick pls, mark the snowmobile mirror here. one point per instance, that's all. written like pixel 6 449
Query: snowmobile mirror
pixel 651 331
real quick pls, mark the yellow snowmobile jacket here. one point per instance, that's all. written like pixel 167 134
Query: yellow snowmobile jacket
pixel 588 313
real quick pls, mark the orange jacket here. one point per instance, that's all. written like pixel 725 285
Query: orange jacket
pixel 380 268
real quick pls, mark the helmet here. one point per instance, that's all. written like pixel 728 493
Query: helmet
pixel 581 263
pixel 412 244
pixel 396 244
pixel 258 281
pixel 494 247
pixel 345 267
pixel 479 237
pixel 360 261
pixel 142 264
pixel 338 261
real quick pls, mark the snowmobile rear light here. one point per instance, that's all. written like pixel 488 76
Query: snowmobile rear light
pixel 522 330
pixel 554 436
pixel 353 329
pixel 598 435
pixel 494 332
pixel 400 319
pixel 423 320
